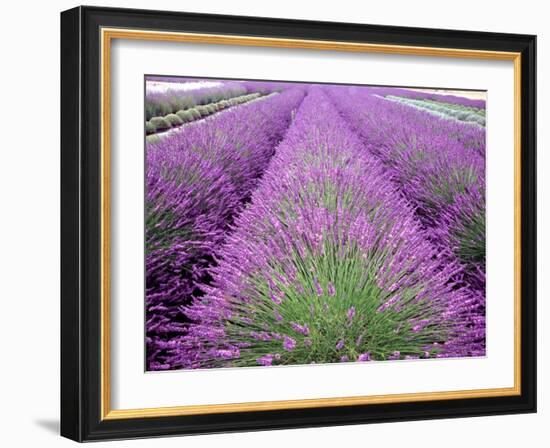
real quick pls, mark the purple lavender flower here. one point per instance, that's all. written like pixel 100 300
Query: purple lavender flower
pixel 267 360
pixel 364 357
pixel 395 355
pixel 276 298
pixel 289 343
pixel 318 287
pixel 302 329
pixel 229 354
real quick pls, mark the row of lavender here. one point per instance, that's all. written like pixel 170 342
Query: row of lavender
pixel 333 260
pixel 439 166
pixel 164 102
pixel 439 98
pixel 159 103
pixel 445 110
pixel 196 181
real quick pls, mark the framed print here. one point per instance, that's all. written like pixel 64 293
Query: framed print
pixel 276 224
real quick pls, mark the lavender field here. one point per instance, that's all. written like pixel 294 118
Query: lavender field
pixel 293 223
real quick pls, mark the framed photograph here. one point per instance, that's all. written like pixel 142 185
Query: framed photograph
pixel 274 223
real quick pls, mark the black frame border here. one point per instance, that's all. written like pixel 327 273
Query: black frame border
pixel 81 223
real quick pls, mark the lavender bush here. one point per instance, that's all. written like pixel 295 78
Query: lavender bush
pixel 440 168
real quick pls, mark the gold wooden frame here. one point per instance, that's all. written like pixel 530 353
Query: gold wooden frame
pixel 107 35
